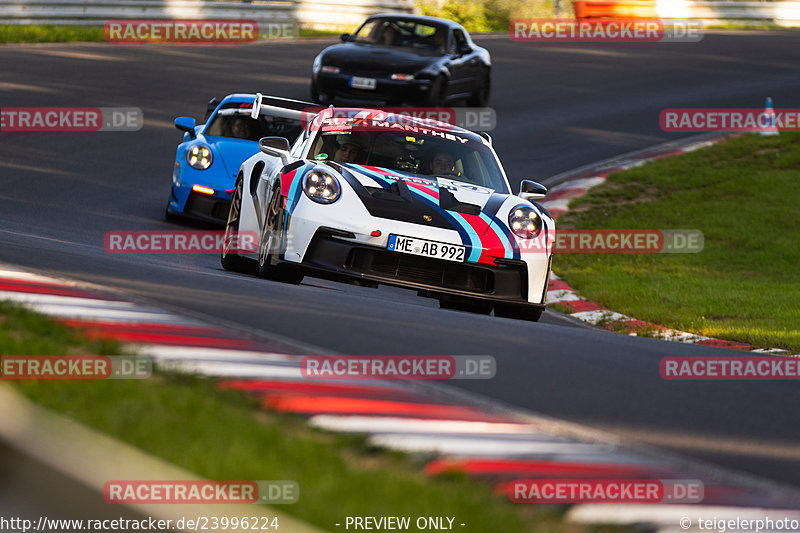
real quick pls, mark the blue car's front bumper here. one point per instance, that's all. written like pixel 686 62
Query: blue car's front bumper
pixel 185 202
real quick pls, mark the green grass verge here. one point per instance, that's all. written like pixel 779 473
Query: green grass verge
pixel 35 33
pixel 38 33
pixel 492 15
pixel 743 195
pixel 309 32
pixel 223 434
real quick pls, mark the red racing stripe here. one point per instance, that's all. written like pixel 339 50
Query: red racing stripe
pixel 427 189
pixel 286 182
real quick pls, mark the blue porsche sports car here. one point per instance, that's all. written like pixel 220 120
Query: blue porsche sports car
pixel 210 155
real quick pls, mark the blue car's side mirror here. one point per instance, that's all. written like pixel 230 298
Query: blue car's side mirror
pixel 186 124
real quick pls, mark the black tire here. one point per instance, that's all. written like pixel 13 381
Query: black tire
pixel 468 305
pixel 519 312
pixel 438 93
pixel 230 259
pixel 481 97
pixel 170 217
pixel 271 243
pixel 317 99
pixel 315 93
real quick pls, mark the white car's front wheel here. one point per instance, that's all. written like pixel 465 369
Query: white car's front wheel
pixel 229 258
pixel 270 244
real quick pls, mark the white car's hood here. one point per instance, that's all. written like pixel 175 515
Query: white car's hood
pixel 428 186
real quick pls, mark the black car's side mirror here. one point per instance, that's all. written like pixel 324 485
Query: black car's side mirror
pixel 275 146
pixel 345 37
pixel 186 124
pixel 530 190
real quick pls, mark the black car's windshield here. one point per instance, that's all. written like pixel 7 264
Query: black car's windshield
pixel 236 122
pixel 413 149
pixel 403 33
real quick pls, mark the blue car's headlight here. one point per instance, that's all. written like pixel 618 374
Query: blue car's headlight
pixel 525 222
pixel 321 187
pixel 199 157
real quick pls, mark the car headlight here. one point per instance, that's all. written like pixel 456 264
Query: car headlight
pixel 199 157
pixel 321 187
pixel 525 222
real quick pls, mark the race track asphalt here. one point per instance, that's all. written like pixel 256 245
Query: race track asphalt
pixel 559 106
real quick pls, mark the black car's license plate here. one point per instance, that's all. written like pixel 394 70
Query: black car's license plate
pixel 363 83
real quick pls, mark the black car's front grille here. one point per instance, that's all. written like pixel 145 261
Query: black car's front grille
pixel 414 269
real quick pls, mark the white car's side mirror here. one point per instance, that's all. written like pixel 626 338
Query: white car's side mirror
pixel 275 146
pixel 530 190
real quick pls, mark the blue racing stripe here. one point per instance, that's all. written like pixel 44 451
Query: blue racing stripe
pixel 468 236
pixel 477 246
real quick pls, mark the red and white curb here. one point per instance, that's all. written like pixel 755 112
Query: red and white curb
pixel 566 297
pixel 459 435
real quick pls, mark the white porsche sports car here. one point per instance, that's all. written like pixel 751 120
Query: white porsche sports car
pixel 372 197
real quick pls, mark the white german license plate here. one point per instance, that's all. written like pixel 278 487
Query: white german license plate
pixel 363 83
pixel 438 250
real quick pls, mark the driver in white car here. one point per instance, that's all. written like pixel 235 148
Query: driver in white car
pixel 442 163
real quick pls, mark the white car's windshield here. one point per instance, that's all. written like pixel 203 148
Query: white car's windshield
pixel 413 149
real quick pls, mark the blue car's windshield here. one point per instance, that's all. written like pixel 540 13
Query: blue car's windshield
pixel 237 123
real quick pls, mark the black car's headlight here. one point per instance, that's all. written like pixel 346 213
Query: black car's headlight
pixel 199 157
pixel 321 187
pixel 525 222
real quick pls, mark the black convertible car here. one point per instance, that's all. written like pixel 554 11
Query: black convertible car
pixel 397 58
